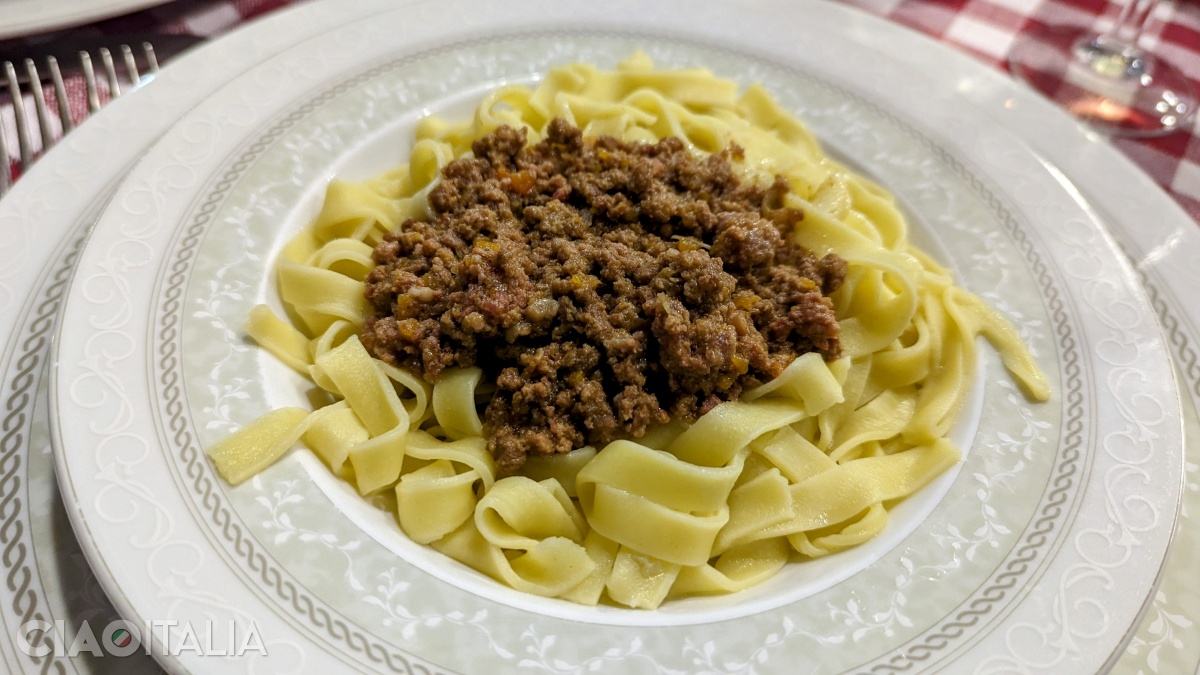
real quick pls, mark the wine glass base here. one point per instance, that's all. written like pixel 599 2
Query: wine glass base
pixel 1114 88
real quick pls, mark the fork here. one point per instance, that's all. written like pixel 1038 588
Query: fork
pixel 26 153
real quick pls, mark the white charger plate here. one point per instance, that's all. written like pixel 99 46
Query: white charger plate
pixel 1053 504
pixel 51 207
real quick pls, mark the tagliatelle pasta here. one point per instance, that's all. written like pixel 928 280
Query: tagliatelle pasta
pixel 800 467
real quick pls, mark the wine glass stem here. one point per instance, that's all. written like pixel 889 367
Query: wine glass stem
pixel 1105 79
pixel 1114 53
pixel 1130 23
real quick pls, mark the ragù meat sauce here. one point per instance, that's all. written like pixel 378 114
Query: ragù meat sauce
pixel 603 287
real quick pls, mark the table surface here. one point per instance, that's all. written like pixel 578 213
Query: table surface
pixel 986 29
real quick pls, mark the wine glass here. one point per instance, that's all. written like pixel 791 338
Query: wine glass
pixel 1106 79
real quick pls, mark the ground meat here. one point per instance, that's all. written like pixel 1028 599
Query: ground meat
pixel 603 287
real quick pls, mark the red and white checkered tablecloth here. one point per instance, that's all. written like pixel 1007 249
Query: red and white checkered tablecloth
pixel 983 28
pixel 986 29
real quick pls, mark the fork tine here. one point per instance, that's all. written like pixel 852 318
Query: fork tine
pixel 151 58
pixel 23 143
pixel 89 80
pixel 110 69
pixel 6 179
pixel 24 152
pixel 131 67
pixel 60 92
pixel 39 104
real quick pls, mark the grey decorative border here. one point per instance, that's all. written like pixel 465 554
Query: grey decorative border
pixel 37 327
pixel 1063 480
pixel 326 620
pixel 1186 358
pixel 258 563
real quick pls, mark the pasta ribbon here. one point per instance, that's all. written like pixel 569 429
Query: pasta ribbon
pixel 378 461
pixel 807 379
pixel 355 211
pixel 416 404
pixel 734 570
pixel 655 502
pixel 816 544
pixel 454 402
pixel 280 338
pixel 552 567
pixel 563 468
pixel 320 297
pixel 659 476
pixel 331 433
pixel 433 501
pixel 364 387
pixel 981 319
pixel 718 435
pixel 470 452
pixel 639 580
pixel 519 512
pixel 758 505
pixel 603 552
pixel 257 445
pixel 348 257
pixel 845 490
